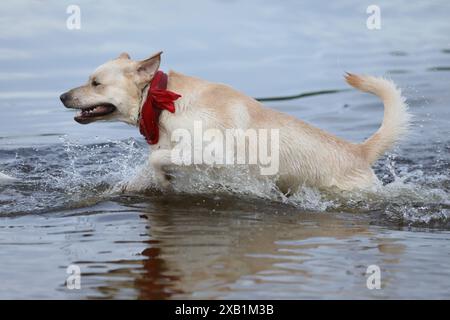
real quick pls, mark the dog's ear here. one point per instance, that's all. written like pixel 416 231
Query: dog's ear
pixel 124 55
pixel 147 68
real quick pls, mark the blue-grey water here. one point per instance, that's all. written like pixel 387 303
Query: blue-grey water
pixel 231 238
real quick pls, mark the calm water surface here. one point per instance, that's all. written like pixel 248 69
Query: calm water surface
pixel 222 237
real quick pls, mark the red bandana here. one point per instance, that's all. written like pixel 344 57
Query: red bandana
pixel 158 99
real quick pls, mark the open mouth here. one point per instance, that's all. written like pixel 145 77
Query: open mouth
pixel 87 115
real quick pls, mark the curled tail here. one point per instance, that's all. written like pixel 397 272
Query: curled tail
pixel 396 117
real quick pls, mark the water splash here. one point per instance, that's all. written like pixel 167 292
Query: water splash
pixel 71 175
pixel 6 179
pixel 406 195
pixel 66 175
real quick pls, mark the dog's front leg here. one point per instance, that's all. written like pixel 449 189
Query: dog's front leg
pixel 158 160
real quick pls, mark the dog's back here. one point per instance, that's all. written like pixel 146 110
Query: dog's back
pixel 308 155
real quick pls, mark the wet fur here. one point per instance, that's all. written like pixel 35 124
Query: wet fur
pixel 308 155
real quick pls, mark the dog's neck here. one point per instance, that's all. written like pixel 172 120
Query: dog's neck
pixel 155 99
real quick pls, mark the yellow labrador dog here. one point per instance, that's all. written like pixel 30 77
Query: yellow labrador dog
pixel 126 90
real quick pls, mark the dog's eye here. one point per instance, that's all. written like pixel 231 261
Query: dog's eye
pixel 95 83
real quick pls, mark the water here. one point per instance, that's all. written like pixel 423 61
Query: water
pixel 222 237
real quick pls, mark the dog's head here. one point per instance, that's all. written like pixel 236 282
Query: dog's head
pixel 114 91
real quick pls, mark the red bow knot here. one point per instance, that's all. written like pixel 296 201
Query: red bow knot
pixel 158 99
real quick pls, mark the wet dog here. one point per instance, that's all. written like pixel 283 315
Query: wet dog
pixel 119 89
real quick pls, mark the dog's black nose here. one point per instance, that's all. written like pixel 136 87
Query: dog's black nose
pixel 64 97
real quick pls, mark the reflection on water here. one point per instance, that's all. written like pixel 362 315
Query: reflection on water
pixel 199 247
pixel 245 240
